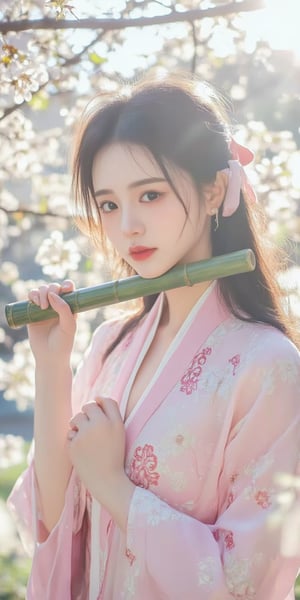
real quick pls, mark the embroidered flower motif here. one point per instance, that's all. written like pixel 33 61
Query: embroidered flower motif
pixel 142 468
pixel 226 536
pixel 191 377
pixel 128 591
pixel 228 539
pixel 235 361
pixel 130 556
pixel 233 477
pixel 262 498
pixel 206 571
pixel 238 576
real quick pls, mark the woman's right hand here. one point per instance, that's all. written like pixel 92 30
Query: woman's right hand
pixel 52 340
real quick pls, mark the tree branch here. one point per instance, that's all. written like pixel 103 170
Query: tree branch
pixel 195 44
pixel 27 211
pixel 117 24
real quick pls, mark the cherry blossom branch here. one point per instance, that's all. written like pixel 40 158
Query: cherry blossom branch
pixel 117 24
pixel 69 62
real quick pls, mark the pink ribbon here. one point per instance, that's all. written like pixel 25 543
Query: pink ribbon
pixel 237 179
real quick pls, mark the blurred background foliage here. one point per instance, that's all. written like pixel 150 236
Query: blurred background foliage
pixel 54 55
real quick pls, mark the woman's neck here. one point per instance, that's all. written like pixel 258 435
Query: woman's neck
pixel 177 305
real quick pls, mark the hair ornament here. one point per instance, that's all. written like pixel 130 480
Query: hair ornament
pixel 241 153
pixel 237 178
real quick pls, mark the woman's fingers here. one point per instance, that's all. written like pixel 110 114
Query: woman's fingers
pixel 76 421
pixel 109 407
pixel 50 294
pixel 95 411
pixel 44 294
pixel 37 295
pixel 90 409
pixel 34 296
pixel 87 412
pixel 40 296
pixel 67 285
pixel 62 308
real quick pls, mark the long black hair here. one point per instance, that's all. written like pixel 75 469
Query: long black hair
pixel 181 122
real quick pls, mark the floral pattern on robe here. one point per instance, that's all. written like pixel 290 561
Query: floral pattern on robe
pixel 206 446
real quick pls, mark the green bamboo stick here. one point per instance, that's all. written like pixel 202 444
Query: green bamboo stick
pixel 112 292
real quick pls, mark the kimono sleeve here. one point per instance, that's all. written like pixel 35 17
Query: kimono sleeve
pixel 243 554
pixel 91 363
pixel 58 556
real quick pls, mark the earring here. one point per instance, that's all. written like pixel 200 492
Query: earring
pixel 216 213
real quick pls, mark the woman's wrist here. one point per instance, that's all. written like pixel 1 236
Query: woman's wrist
pixel 54 382
pixel 59 365
pixel 116 497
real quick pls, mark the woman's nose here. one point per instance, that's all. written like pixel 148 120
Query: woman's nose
pixel 131 224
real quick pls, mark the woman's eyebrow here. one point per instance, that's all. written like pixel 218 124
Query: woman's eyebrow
pixel 135 184
pixel 146 181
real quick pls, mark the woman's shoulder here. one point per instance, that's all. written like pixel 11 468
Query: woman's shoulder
pixel 108 330
pixel 261 341
pixel 93 357
pixel 109 326
pixel 263 367
pixel 102 337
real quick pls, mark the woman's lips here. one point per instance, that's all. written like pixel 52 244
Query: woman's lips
pixel 141 253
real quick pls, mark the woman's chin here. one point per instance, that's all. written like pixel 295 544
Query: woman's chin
pixel 151 274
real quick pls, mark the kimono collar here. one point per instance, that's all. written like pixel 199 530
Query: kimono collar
pixel 207 314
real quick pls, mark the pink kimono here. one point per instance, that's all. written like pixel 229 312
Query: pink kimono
pixel 206 444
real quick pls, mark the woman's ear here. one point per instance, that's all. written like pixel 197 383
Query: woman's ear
pixel 214 193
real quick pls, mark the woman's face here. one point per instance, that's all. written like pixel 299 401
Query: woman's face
pixel 141 214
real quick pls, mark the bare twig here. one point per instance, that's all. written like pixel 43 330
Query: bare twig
pixel 27 211
pixel 195 44
pixel 115 24
pixel 162 4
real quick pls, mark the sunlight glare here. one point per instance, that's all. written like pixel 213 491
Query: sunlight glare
pixel 280 25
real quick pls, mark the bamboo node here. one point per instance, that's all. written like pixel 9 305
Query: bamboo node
pixel 186 278
pixel 115 291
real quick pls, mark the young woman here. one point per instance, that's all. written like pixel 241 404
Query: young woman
pixel 156 473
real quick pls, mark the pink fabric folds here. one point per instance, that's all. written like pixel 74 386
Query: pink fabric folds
pixel 237 178
pixel 206 447
pixel 237 181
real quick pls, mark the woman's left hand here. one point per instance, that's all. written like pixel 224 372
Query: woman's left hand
pixel 96 443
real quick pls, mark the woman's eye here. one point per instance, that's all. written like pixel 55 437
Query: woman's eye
pixel 107 206
pixel 149 196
